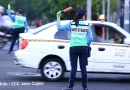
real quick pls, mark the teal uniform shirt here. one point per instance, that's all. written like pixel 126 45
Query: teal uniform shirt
pixel 19 20
pixel 80 35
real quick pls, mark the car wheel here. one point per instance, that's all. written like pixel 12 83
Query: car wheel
pixel 52 69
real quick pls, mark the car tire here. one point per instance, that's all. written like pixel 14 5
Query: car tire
pixel 52 69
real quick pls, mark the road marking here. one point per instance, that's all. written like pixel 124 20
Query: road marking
pixel 23 74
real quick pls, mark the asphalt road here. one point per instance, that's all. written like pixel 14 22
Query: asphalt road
pixel 13 77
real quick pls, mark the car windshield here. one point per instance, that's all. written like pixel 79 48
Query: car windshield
pixel 122 30
pixel 46 26
pixel 41 28
pixel 50 31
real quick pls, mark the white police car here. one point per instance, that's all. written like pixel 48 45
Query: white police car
pixel 47 49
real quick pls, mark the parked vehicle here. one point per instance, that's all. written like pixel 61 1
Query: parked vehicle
pixel 47 49
pixel 5 30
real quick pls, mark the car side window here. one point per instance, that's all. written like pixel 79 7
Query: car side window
pixel 65 35
pixel 105 34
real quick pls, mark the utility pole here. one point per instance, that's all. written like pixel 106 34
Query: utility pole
pixel 126 16
pixel 108 10
pixel 97 11
pixel 103 12
pixel 89 9
pixel 118 8
pixel 108 15
pixel 103 7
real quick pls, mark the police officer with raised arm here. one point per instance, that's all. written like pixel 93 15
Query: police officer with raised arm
pixel 19 26
pixel 81 38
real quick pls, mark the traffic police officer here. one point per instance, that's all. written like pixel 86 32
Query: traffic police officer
pixel 81 37
pixel 19 26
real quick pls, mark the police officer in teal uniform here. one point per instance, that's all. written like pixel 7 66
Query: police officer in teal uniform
pixel 81 38
pixel 19 26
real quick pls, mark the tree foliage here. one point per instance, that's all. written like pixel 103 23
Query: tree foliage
pixel 47 9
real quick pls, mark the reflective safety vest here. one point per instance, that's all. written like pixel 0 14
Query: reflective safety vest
pixel 19 21
pixel 79 34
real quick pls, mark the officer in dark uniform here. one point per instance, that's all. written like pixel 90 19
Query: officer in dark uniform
pixel 19 26
pixel 81 37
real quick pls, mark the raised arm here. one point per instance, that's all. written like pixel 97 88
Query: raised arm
pixel 66 27
pixel 10 15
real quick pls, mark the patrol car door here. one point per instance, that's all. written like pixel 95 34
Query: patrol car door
pixel 65 35
pixel 111 54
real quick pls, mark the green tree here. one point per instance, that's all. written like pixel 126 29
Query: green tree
pixel 97 7
pixel 47 9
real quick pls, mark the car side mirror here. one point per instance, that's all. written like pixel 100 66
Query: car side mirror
pixel 127 41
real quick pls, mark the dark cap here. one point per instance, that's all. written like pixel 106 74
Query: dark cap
pixel 80 13
pixel 19 10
